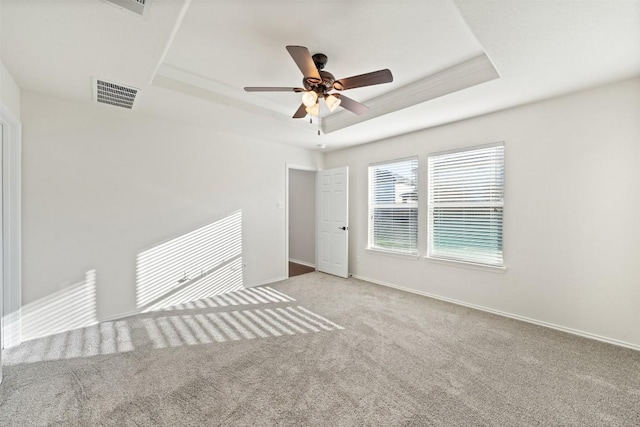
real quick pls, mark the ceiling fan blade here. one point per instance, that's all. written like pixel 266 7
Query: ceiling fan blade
pixel 350 104
pixel 303 60
pixel 301 113
pixel 369 79
pixel 274 89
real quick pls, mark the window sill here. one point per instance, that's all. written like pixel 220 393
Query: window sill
pixel 393 254
pixel 469 265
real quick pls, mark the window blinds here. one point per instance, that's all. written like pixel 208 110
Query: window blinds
pixel 393 206
pixel 466 199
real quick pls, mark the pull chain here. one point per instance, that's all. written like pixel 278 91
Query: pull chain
pixel 311 117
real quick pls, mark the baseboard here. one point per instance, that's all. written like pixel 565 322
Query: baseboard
pixel 120 316
pixel 505 314
pixel 27 338
pixel 267 282
pixel 134 312
pixel 297 261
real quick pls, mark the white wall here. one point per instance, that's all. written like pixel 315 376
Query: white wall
pixel 103 185
pixel 302 216
pixel 9 92
pixel 571 232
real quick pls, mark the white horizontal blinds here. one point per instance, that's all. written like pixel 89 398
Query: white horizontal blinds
pixel 393 206
pixel 466 199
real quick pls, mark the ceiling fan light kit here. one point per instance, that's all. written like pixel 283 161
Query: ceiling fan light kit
pixel 309 98
pixel 314 110
pixel 332 102
pixel 317 83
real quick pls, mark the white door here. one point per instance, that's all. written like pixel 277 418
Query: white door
pixel 332 251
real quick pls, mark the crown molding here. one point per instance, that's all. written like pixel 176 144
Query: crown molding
pixel 474 71
pixel 187 83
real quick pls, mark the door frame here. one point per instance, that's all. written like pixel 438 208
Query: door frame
pixel 288 167
pixel 11 228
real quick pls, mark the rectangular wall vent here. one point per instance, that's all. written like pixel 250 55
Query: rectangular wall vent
pixel 135 6
pixel 115 94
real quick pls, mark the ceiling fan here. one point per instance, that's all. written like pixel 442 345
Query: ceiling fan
pixel 318 83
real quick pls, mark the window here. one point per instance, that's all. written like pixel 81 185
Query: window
pixel 393 206
pixel 466 199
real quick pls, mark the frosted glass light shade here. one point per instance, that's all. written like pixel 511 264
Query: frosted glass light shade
pixel 309 98
pixel 332 102
pixel 314 110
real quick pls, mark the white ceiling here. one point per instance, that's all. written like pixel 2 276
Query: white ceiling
pixel 191 59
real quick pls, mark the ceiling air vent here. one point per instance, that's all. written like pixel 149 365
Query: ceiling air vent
pixel 135 6
pixel 115 94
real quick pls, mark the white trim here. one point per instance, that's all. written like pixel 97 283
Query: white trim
pixel 11 227
pixel 305 263
pixel 120 316
pixel 267 282
pixel 467 148
pixel 187 83
pixel 505 314
pixel 137 311
pixel 392 253
pixel 401 159
pixel 466 74
pixel 172 36
pixel 469 265
pixel 287 168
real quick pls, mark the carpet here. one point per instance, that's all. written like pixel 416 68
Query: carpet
pixel 316 350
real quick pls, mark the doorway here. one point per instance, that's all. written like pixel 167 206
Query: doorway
pixel 301 221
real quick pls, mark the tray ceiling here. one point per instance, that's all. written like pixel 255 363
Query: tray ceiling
pixel 191 59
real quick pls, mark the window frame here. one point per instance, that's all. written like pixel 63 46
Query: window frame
pixel 469 263
pixel 371 206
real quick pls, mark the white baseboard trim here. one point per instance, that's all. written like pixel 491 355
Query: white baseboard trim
pixel 297 261
pixel 120 316
pixel 134 312
pixel 25 338
pixel 267 282
pixel 505 314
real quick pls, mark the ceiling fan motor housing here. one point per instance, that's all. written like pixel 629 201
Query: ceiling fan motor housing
pixel 324 84
pixel 326 80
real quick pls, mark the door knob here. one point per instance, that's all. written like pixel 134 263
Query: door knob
pixel 343 228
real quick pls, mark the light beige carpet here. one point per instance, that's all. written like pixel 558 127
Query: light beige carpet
pixel 316 350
